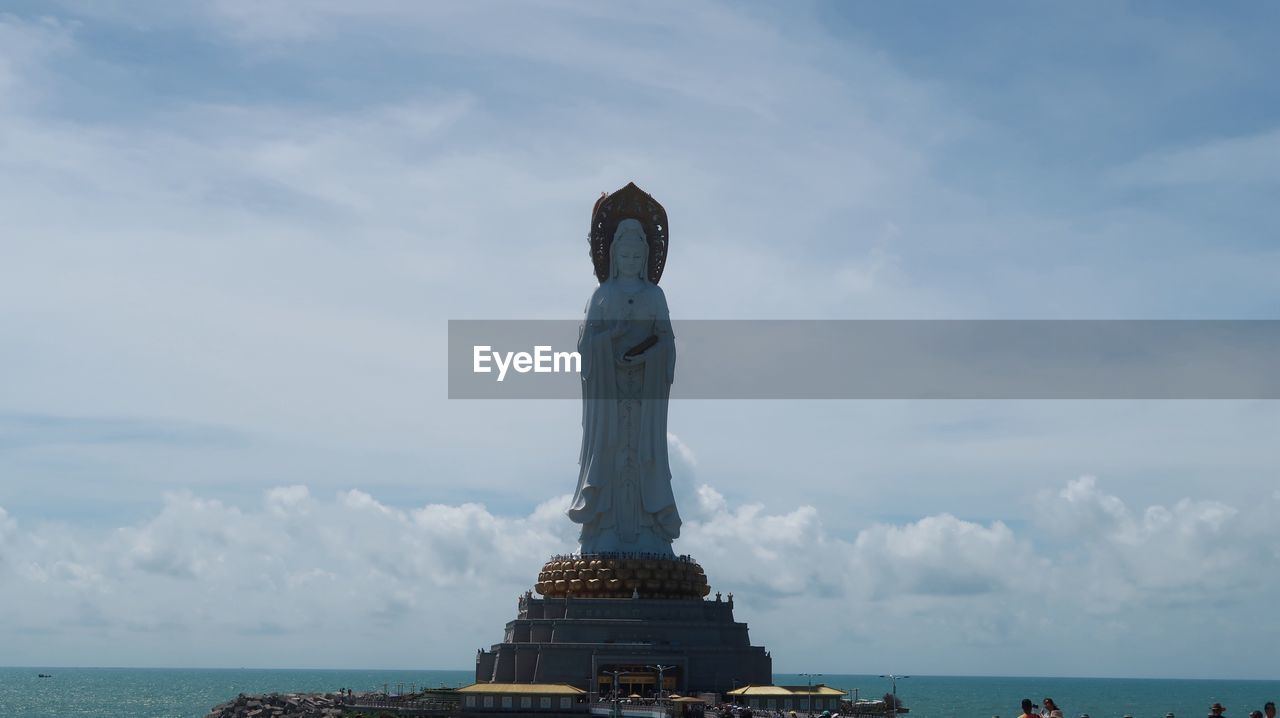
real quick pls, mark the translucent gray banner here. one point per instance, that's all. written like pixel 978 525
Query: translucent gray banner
pixel 857 359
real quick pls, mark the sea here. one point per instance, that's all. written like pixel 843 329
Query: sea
pixel 192 692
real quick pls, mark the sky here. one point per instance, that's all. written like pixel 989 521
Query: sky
pixel 233 233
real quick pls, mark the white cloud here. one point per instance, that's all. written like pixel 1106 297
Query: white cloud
pixel 710 501
pixel 1191 551
pixel 775 551
pixel 205 571
pixel 235 578
pixel 284 500
pixel 681 451
pixel 941 556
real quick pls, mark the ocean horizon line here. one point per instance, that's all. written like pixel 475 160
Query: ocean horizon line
pixel 776 673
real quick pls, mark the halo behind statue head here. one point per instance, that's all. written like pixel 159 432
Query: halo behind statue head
pixel 630 202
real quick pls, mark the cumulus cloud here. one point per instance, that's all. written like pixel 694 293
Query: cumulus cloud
pixel 1090 573
pixel 1190 551
pixel 941 556
pixel 236 578
pixel 768 550
pixel 207 571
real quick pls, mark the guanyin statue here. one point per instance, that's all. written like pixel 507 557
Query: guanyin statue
pixel 624 500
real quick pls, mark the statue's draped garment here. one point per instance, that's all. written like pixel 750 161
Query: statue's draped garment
pixel 624 499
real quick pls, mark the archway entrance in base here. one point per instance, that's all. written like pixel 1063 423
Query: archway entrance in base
pixel 635 680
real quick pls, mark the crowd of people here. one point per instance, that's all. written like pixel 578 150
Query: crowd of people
pixel 1049 709
pixel 1268 711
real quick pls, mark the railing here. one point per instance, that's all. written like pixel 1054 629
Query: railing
pixel 629 555
pixel 402 707
pixel 630 710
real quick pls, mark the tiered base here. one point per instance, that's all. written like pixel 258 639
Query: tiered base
pixel 622 576
pixel 608 614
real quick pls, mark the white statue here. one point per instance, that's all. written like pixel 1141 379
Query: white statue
pixel 624 500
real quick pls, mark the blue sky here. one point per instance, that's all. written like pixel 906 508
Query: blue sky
pixel 234 231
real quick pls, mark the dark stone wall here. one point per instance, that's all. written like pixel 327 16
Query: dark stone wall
pixel 568 641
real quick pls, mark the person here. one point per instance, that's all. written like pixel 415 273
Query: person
pixel 1269 709
pixel 1216 710
pixel 624 499
pixel 1255 714
pixel 1028 708
pixel 1051 709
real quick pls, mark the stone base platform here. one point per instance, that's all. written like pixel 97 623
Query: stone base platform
pixel 581 639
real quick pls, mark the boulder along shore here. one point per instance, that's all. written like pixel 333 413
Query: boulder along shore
pixel 280 705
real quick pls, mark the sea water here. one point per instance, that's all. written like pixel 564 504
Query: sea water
pixel 190 693
pixel 181 692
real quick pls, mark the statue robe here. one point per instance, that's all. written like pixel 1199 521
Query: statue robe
pixel 624 425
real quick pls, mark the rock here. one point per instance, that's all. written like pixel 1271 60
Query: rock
pixel 276 705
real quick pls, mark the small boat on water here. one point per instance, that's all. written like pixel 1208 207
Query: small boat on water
pixel 43 675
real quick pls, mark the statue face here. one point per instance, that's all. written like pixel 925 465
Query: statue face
pixel 629 256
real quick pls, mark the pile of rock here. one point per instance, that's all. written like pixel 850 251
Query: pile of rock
pixel 280 705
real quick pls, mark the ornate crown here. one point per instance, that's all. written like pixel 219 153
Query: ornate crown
pixel 630 202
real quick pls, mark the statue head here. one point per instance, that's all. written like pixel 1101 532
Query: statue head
pixel 629 251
